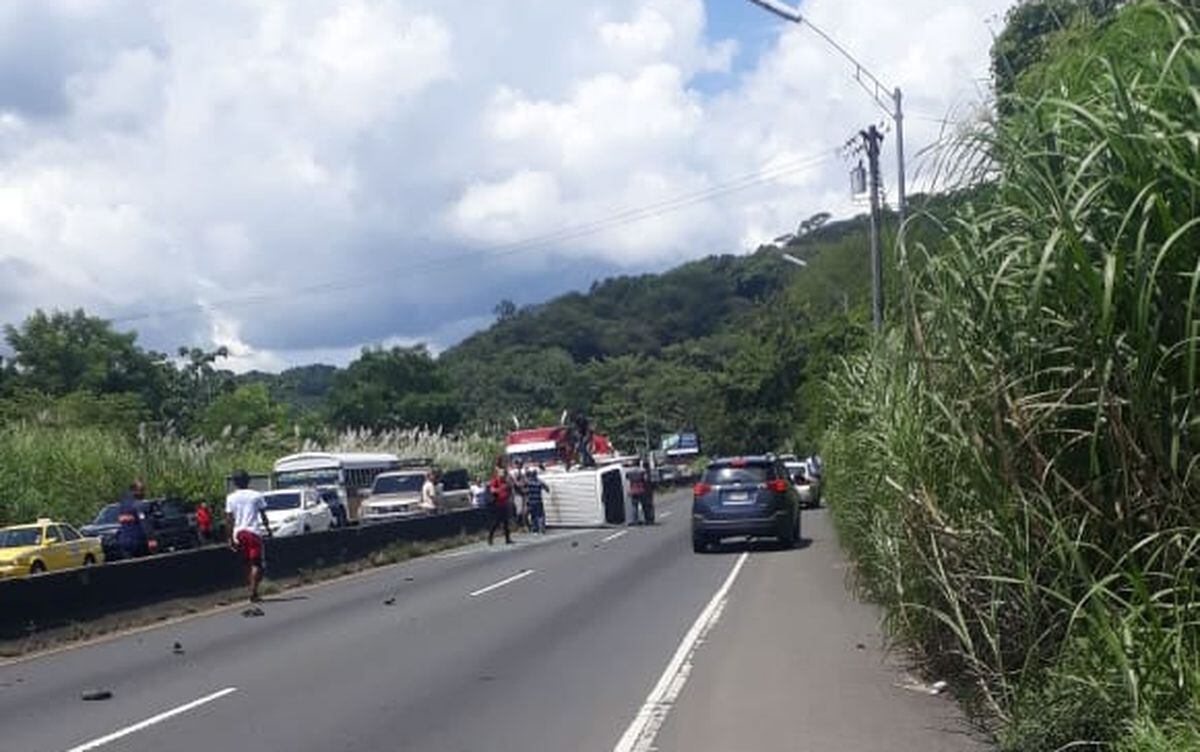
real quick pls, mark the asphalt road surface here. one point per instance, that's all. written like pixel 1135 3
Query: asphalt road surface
pixel 619 639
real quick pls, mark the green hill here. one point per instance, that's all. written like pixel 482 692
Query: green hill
pixel 732 346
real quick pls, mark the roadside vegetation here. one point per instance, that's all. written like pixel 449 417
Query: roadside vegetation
pixel 1014 466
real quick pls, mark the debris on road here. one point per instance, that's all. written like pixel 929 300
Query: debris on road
pixel 253 611
pixel 390 601
pixel 92 695
pixel 913 685
pixel 177 648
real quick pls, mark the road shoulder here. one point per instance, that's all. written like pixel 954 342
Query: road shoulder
pixel 797 662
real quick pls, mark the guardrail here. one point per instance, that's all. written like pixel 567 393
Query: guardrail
pixel 32 604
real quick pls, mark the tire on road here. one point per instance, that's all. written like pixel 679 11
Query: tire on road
pixel 89 560
pixel 789 539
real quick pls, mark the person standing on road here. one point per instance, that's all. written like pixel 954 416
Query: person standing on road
pixel 516 482
pixel 533 502
pixel 501 489
pixel 131 535
pixel 246 520
pixel 429 493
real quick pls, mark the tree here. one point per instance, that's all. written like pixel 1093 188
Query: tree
pixel 505 310
pixel 1028 26
pixel 195 385
pixel 60 353
pixel 398 388
pixel 247 409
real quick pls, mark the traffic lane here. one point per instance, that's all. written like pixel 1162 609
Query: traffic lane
pixel 796 662
pixel 321 631
pixel 557 661
pixel 144 673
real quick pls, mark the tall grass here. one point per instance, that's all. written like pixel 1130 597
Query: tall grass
pixel 1017 464
pixel 69 472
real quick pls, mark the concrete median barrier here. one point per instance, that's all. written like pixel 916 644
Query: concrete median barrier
pixel 32 604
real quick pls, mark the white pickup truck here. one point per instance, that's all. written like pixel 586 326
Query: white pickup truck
pixel 397 495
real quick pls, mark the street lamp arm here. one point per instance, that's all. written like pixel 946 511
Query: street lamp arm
pixel 883 95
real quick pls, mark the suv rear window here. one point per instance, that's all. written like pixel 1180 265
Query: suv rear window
pixel 456 480
pixel 727 475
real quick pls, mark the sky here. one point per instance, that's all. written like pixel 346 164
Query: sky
pixel 298 179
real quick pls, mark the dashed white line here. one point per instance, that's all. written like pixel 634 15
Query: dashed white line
pixel 506 581
pixel 639 737
pixel 664 515
pixel 119 734
pixel 614 536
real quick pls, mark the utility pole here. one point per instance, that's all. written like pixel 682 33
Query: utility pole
pixel 890 101
pixel 872 139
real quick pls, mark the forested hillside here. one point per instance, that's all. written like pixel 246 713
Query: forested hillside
pixel 733 346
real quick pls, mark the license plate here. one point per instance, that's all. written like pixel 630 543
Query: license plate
pixel 737 497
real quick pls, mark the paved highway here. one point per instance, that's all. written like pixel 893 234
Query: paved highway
pixel 584 640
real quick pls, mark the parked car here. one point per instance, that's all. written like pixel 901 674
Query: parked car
pixel 168 524
pixel 750 496
pixel 807 486
pixel 45 546
pixel 397 495
pixel 297 511
pixel 394 496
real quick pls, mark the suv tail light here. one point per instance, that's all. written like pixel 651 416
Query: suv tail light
pixel 779 485
pixel 701 489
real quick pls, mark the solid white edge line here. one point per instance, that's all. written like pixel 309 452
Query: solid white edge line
pixel 506 581
pixel 639 737
pixel 614 536
pixel 152 720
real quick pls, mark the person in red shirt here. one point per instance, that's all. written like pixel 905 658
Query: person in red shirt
pixel 501 489
pixel 204 522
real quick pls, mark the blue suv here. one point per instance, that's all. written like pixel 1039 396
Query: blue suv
pixel 750 496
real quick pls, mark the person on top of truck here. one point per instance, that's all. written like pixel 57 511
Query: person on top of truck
pixel 583 440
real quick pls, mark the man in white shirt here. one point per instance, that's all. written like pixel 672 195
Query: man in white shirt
pixel 246 521
pixel 429 493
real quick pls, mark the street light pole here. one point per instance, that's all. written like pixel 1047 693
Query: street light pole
pixel 890 101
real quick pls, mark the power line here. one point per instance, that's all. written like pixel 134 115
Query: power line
pixel 621 218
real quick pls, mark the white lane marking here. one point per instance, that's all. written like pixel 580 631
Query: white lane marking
pixel 93 744
pixel 506 581
pixel 664 515
pixel 639 737
pixel 614 536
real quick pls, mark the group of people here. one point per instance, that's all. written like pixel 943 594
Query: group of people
pixel 513 494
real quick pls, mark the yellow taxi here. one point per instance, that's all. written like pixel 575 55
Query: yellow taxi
pixel 45 546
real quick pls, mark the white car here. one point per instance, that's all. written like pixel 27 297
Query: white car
pixel 807 484
pixel 297 511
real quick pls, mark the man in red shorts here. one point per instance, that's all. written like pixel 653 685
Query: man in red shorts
pixel 246 521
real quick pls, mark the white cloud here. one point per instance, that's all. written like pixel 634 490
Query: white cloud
pixel 337 163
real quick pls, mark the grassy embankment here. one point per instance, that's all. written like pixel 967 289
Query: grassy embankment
pixel 1014 467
